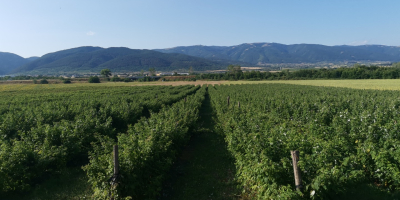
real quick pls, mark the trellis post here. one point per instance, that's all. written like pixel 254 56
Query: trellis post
pixel 297 175
pixel 114 178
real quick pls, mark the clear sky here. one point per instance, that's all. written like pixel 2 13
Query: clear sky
pixel 36 27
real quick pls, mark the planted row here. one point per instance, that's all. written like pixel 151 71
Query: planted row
pixel 146 151
pixel 346 137
pixel 37 142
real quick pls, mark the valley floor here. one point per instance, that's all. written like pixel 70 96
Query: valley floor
pixel 377 84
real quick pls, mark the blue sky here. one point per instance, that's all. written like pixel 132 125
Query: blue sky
pixel 33 28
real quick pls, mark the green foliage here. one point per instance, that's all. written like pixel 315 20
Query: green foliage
pixel 146 151
pixel 105 72
pixel 397 65
pixel 95 59
pixel 66 81
pixel 191 79
pixel 146 79
pixel 42 132
pixel 152 71
pixel 357 72
pixel 22 77
pixel 345 137
pixel 297 53
pixel 94 79
pixel 115 79
pixel 10 61
pixel 43 81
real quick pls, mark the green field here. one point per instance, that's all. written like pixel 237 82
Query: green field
pixel 185 141
pixel 347 138
pixel 376 84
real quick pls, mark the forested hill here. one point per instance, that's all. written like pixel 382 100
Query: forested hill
pixel 117 59
pixel 10 61
pixel 263 53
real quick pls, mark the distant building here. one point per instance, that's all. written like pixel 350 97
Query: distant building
pixel 165 74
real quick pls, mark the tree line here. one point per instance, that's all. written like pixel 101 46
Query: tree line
pixel 355 72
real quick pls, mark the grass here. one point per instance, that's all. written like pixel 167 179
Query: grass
pixel 205 168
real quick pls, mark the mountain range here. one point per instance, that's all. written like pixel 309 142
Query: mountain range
pixel 120 59
pixel 10 62
pixel 117 59
pixel 270 53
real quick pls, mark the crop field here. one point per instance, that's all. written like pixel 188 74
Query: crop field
pixel 348 140
pixel 376 84
pixel 346 137
pixel 45 132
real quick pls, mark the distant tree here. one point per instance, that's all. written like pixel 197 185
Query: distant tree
pixel 66 81
pixel 141 72
pixel 231 69
pixel 190 70
pixel 152 71
pixel 115 79
pixel 94 79
pixel 234 72
pixel 396 65
pixel 44 81
pixel 105 72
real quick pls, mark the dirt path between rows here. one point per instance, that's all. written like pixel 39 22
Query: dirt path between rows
pixel 205 168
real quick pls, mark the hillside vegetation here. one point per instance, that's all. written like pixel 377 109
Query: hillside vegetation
pixel 117 59
pixel 10 61
pixel 265 53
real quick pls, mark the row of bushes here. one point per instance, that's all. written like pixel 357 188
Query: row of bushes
pixel 96 79
pixel 43 134
pixel 44 81
pixel 146 152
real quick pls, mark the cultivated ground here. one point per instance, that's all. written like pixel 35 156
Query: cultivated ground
pixel 204 170
pixel 377 84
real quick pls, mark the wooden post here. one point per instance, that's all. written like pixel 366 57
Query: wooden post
pixel 297 175
pixel 185 99
pixel 116 163
pixel 228 100
pixel 239 104
pixel 114 178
